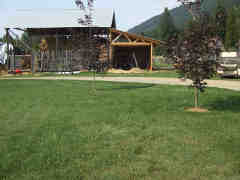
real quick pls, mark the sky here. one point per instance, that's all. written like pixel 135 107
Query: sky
pixel 129 13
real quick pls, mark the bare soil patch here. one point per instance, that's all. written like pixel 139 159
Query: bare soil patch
pixel 200 110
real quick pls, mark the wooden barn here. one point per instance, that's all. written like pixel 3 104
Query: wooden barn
pixel 66 45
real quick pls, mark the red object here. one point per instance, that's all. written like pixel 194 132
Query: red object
pixel 18 71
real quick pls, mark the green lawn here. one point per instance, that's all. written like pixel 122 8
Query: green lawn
pixel 60 130
pixel 154 74
pixel 163 73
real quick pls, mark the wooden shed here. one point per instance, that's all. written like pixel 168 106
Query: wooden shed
pixel 72 47
pixel 132 49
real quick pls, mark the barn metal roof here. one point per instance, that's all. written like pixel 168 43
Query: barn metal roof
pixel 56 18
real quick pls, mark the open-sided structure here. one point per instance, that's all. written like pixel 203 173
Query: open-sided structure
pixel 69 46
pixel 131 49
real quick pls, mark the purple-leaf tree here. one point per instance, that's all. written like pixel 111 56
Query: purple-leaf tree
pixel 195 53
pixel 86 6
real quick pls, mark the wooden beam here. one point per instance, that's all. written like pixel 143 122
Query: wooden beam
pixel 20 29
pixel 131 44
pixel 117 38
pixel 135 59
pixel 139 40
pixel 57 51
pixel 33 55
pixel 126 36
pixel 14 58
pixel 8 57
pixel 110 50
pixel 151 58
pixel 133 36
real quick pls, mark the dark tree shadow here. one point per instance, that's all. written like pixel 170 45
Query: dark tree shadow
pixel 226 103
pixel 126 87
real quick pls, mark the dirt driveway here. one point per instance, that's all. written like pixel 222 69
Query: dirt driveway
pixel 226 84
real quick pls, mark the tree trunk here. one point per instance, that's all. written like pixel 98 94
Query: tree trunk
pixel 196 97
pixel 94 81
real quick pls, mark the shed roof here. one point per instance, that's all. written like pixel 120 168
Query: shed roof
pixel 65 31
pixel 56 18
pixel 137 37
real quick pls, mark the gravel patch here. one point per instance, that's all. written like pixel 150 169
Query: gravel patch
pixel 233 85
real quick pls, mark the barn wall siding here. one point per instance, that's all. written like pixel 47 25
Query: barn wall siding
pixel 72 53
pixel 74 49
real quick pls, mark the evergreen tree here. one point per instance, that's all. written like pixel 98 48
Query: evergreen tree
pixel 231 31
pixel 220 20
pixel 114 24
pixel 165 29
pixel 237 13
pixel 167 26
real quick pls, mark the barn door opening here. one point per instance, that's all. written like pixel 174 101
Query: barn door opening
pixel 131 57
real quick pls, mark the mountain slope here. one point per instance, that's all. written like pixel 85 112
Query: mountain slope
pixel 180 16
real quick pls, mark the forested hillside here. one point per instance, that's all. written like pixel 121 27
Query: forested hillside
pixel 180 16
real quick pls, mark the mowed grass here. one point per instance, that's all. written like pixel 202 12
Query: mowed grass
pixel 157 74
pixel 146 74
pixel 61 130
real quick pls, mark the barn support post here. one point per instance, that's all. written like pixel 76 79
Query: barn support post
pixel 110 50
pixel 14 58
pixel 151 57
pixel 8 57
pixel 32 55
pixel 57 63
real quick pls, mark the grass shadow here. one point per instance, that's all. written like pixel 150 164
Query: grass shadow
pixel 126 87
pixel 227 103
